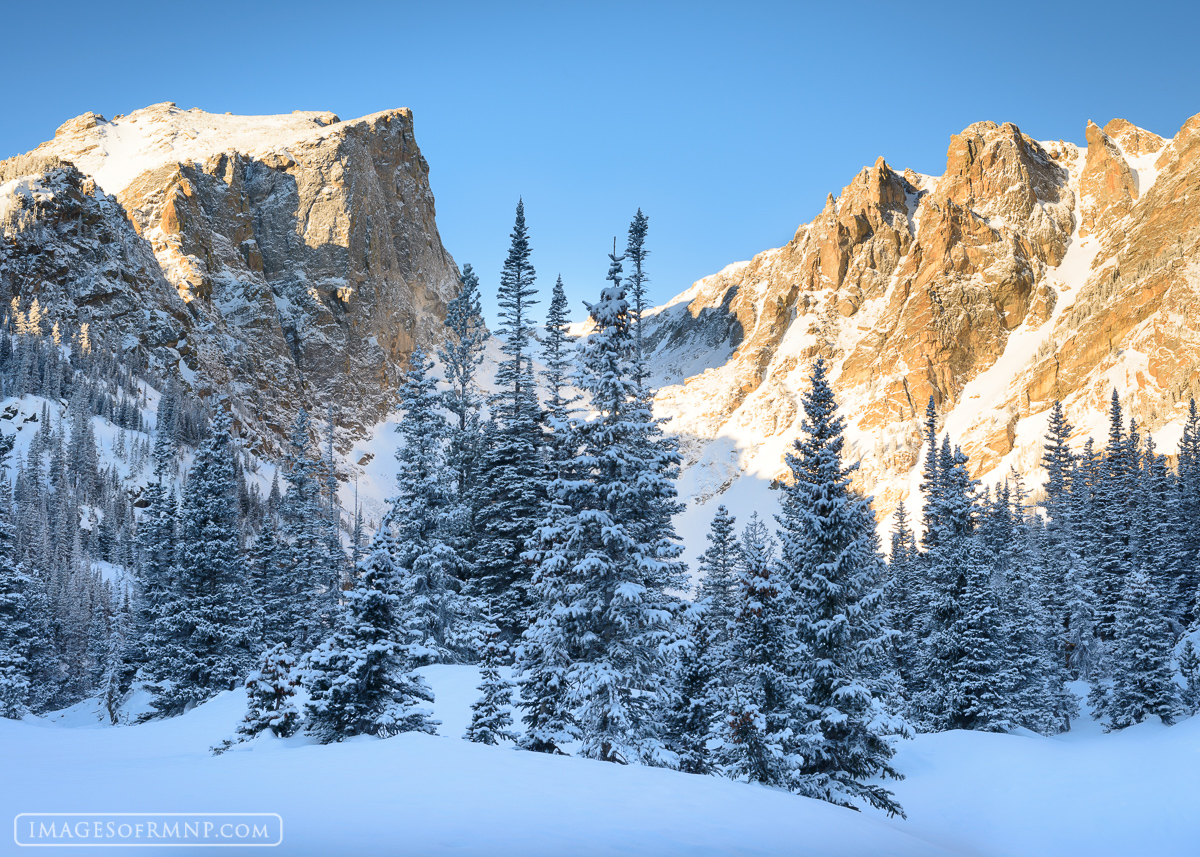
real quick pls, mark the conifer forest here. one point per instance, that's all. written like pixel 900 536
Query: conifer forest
pixel 532 534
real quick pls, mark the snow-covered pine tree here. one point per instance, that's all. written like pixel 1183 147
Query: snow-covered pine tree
pixel 360 680
pixel 543 660
pixel 1188 510
pixel 512 472
pixel 695 705
pixel 636 253
pixel 904 598
pixel 460 355
pixel 830 555
pixel 618 555
pixel 1116 498
pixel 557 354
pixel 308 584
pixel 930 480
pixel 1156 537
pixel 425 570
pixel 1189 670
pixel 718 569
pixel 15 628
pixel 208 635
pixel 759 732
pixel 270 698
pixel 1143 683
pixel 964 680
pixel 491 713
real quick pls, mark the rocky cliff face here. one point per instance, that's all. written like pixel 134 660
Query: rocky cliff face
pixel 1027 272
pixel 282 260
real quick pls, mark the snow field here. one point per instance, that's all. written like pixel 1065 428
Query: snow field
pixel 966 793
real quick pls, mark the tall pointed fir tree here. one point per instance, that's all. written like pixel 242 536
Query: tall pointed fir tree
pixel 964 683
pixel 760 732
pixel 615 556
pixel 308 571
pixel 460 355
pixel 904 598
pixel 1114 517
pixel 209 638
pixel 694 705
pixel 636 253
pixel 1187 510
pixel 270 699
pixel 415 535
pixel 17 631
pixel 830 555
pixel 930 486
pixel 360 680
pixel 1143 682
pixel 718 569
pixel 491 714
pixel 512 474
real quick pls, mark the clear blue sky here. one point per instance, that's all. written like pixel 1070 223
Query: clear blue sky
pixel 726 122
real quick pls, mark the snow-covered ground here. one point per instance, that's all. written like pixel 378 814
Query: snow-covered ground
pixel 1085 793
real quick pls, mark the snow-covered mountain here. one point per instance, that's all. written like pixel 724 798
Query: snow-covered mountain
pixel 1027 272
pixel 280 260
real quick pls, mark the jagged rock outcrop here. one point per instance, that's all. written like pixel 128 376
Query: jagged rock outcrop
pixel 282 260
pixel 1027 271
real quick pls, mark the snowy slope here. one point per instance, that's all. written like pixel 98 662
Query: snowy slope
pixel 421 795
pixel 965 794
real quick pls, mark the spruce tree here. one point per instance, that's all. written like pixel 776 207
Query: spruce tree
pixel 904 598
pixel 636 253
pixel 460 356
pixel 1143 683
pixel 424 569
pixel 491 716
pixel 360 680
pixel 830 555
pixel 760 730
pixel 308 580
pixel 208 636
pixel 718 571
pixel 695 704
pixel 512 470
pixel 616 556
pixel 270 698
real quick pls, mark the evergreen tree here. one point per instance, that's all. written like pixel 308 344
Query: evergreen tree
pixel 543 660
pixel 617 557
pixel 491 714
pixel 307 584
pixel 1188 510
pixel 830 554
pixel 1143 683
pixel 360 680
pixel 930 480
pixel 512 476
pixel 695 704
pixel 270 697
pixel 760 732
pixel 904 595
pixel 1114 517
pixel 719 572
pixel 636 253
pixel 964 683
pixel 422 564
pixel 1189 668
pixel 207 635
pixel 461 354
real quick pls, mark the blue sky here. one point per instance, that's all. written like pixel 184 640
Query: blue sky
pixel 727 123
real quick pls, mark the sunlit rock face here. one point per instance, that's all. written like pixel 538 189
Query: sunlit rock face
pixel 1027 272
pixel 281 260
